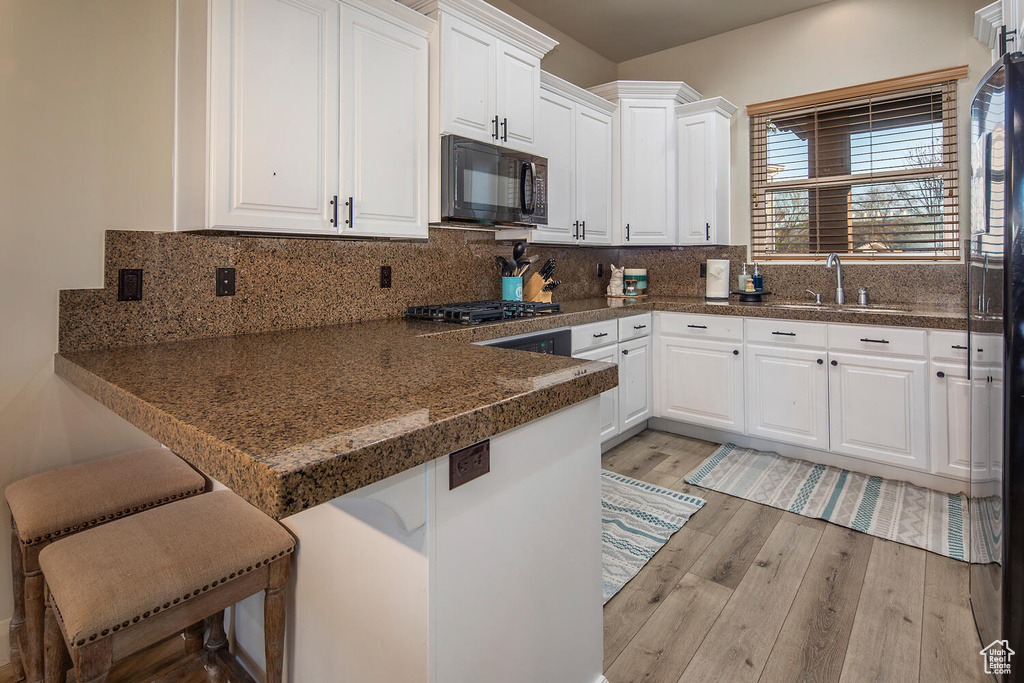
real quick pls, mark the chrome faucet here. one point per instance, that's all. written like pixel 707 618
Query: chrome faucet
pixel 834 258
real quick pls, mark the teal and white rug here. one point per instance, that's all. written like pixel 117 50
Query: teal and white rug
pixel 636 520
pixel 894 510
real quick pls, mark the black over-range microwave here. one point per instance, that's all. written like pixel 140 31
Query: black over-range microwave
pixel 487 184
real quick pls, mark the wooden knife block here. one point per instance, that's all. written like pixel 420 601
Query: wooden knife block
pixel 533 290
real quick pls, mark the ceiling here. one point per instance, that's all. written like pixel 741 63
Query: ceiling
pixel 624 29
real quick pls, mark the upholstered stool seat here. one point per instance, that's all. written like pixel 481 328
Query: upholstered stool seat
pixel 55 504
pixel 121 587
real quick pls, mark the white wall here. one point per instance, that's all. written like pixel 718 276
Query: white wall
pixel 571 59
pixel 842 43
pixel 86 105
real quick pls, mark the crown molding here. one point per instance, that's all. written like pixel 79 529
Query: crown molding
pixel 390 10
pixel 987 21
pixel 574 92
pixel 647 90
pixel 490 18
pixel 718 105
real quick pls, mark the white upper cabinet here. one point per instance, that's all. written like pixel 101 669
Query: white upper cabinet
pixel 575 137
pixel 703 138
pixel 644 210
pixel 262 142
pixel 384 143
pixel 489 72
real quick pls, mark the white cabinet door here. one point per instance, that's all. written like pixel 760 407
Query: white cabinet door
pixel 384 128
pixel 469 98
pixel 700 382
pixel 878 409
pixel 556 142
pixel 995 437
pixel 274 129
pixel 518 82
pixel 609 399
pixel 696 177
pixel 648 172
pixel 594 175
pixel 950 398
pixel 636 397
pixel 787 395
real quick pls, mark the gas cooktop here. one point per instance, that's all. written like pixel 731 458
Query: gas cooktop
pixel 474 312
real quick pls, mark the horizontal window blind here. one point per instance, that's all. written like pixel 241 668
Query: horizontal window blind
pixel 871 176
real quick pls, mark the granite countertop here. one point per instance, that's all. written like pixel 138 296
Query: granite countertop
pixel 292 419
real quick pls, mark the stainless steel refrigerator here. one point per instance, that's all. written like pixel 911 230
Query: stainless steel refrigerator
pixel 996 347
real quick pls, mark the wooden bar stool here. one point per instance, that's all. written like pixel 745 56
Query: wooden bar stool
pixel 55 504
pixel 122 587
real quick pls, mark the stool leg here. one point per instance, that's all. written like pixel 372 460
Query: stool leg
pixel 194 637
pixel 94 660
pixel 17 630
pixel 56 660
pixel 35 609
pixel 215 642
pixel 274 617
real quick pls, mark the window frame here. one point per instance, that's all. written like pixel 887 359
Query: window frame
pixel 943 82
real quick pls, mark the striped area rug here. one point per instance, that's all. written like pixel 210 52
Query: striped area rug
pixel 893 510
pixel 636 520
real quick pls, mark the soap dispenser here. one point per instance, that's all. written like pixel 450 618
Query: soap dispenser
pixel 758 279
pixel 742 279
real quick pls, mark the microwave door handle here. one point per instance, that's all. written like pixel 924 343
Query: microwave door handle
pixel 531 168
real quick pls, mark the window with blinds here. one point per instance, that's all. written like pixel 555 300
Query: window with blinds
pixel 869 172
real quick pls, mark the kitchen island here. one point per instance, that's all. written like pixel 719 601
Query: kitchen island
pixel 343 433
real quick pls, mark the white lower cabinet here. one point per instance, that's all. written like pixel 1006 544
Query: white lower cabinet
pixel 700 381
pixel 636 366
pixel 609 399
pixel 950 397
pixel 878 408
pixel 787 394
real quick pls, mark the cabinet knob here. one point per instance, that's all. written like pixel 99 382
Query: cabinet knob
pixel 835 363
pixel 735 352
pixel 625 352
pixel 940 374
pixel 821 362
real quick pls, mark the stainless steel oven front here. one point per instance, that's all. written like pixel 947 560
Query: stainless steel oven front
pixel 483 183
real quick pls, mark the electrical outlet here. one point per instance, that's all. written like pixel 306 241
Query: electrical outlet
pixel 129 284
pixel 385 277
pixel 225 282
pixel 469 463
pixel 703 270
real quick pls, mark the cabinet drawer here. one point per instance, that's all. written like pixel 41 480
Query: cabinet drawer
pixel 728 328
pixel 949 346
pixel 986 348
pixel 594 335
pixel 787 332
pixel 896 341
pixel 635 326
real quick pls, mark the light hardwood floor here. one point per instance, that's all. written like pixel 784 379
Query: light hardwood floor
pixel 745 592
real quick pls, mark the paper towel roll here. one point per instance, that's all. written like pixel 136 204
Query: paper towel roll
pixel 718 279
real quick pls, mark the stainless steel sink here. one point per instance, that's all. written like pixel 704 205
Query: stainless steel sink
pixel 834 307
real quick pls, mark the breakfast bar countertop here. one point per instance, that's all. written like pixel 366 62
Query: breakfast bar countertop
pixel 293 419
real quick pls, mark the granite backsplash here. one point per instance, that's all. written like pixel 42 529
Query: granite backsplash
pixel 284 283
